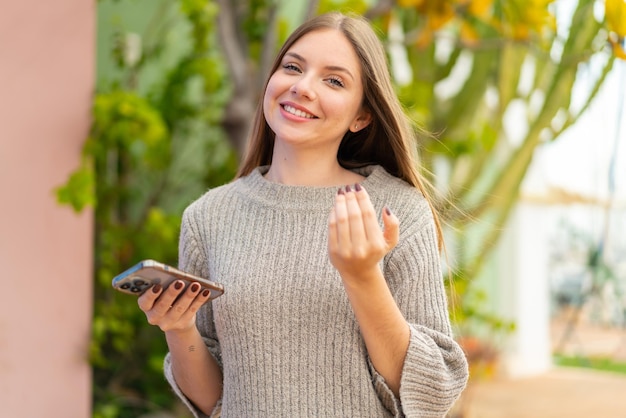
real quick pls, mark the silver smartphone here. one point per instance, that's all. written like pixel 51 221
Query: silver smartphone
pixel 145 274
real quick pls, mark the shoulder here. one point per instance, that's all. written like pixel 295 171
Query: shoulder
pixel 213 201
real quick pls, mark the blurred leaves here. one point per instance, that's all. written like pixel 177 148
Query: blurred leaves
pixel 510 19
pixel 615 11
pixel 123 120
pixel 151 149
pixel 79 191
pixel 616 16
pixel 344 6
pixel 494 80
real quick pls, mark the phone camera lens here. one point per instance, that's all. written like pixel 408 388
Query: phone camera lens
pixel 135 289
pixel 125 286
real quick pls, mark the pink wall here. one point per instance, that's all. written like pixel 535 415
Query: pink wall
pixel 46 81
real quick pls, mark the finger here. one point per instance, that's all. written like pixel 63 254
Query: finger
pixel 368 214
pixel 200 299
pixel 167 299
pixel 341 217
pixel 355 218
pixel 182 303
pixel 183 313
pixel 147 299
pixel 332 230
pixel 391 231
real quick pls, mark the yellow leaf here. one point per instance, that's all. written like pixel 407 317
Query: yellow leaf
pixel 468 34
pixel 437 12
pixel 520 31
pixel 437 21
pixel 618 50
pixel 424 38
pixel 615 11
pixel 521 17
pixel 410 3
pixel 480 8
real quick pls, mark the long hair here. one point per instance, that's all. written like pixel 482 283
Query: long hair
pixel 389 140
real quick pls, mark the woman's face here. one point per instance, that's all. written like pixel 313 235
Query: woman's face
pixel 316 93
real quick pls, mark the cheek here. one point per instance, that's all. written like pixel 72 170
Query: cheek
pixel 268 102
pixel 347 109
pixel 272 91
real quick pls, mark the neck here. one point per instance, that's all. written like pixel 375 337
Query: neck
pixel 310 169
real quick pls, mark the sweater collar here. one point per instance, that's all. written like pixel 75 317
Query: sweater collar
pixel 306 198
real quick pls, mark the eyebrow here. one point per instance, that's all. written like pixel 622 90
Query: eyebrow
pixel 328 67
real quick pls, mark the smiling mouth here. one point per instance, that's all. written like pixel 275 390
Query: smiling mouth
pixel 296 112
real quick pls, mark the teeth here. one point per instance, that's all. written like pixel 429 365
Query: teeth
pixel 297 112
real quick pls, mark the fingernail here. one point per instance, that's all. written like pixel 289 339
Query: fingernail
pixel 195 287
pixel 357 187
pixel 206 293
pixel 178 285
pixel 340 191
pixel 156 288
pixel 348 188
pixel 387 211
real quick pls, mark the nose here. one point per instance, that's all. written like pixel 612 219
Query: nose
pixel 304 87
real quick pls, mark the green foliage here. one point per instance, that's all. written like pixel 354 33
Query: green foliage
pixel 472 313
pixel 128 123
pixel 344 6
pixel 596 363
pixel 79 191
pixel 474 66
pixel 254 25
pixel 152 148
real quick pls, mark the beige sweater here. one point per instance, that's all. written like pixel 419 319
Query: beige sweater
pixel 284 332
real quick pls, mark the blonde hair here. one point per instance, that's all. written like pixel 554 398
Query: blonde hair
pixel 390 138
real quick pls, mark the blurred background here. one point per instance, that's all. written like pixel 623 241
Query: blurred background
pixel 116 114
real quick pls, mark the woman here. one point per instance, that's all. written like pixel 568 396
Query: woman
pixel 326 313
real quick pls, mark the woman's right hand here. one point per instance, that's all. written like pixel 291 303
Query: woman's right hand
pixel 194 370
pixel 171 309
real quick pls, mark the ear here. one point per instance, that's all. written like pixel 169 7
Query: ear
pixel 362 120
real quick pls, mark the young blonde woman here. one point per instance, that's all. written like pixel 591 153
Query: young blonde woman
pixel 328 249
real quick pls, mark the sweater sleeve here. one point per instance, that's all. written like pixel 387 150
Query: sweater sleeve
pixel 192 259
pixel 435 369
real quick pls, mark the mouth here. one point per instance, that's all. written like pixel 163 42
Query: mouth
pixel 297 112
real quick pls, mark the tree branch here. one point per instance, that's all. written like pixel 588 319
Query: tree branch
pixel 268 48
pixel 236 121
pixel 379 9
pixel 311 9
pixel 232 50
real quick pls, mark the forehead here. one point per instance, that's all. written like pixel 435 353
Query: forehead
pixel 328 46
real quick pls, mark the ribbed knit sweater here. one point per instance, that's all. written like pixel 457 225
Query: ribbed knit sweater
pixel 284 332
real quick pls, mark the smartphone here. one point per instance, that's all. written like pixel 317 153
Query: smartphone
pixel 143 275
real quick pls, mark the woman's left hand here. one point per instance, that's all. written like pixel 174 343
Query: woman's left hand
pixel 356 242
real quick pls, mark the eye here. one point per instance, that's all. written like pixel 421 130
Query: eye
pixel 336 81
pixel 292 67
